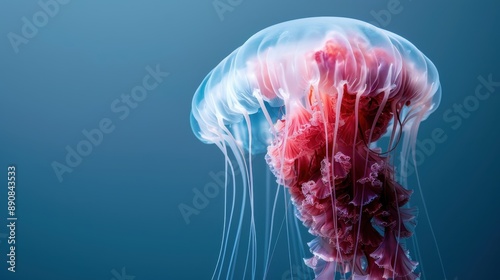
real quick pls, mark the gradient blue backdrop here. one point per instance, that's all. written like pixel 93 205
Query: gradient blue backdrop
pixel 119 207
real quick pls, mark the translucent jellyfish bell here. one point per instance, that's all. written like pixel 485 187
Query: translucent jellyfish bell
pixel 277 64
pixel 316 95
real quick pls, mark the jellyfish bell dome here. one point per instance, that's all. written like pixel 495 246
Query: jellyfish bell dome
pixel 278 66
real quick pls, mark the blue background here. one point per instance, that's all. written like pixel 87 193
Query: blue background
pixel 119 207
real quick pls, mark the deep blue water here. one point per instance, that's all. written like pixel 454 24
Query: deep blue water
pixel 64 71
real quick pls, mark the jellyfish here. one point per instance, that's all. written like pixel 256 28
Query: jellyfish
pixel 331 104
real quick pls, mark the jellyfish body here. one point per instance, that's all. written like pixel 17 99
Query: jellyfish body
pixel 317 95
